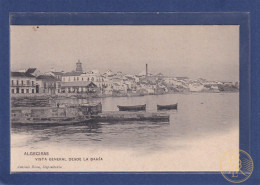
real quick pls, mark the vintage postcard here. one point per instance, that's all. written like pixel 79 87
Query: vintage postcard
pixel 123 98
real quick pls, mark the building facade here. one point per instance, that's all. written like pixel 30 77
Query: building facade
pixel 48 84
pixel 79 87
pixel 22 83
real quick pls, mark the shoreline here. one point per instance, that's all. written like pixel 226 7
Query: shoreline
pixel 84 96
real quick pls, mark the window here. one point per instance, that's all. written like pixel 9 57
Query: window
pixel 22 90
pixel 82 78
pixel 77 78
pixel 12 91
pixel 27 90
pixel 32 90
pixel 12 82
pixel 74 78
pixel 32 83
pixel 44 85
pixel 22 82
pixel 28 82
pixel 17 82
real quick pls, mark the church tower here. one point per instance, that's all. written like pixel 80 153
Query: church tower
pixel 79 67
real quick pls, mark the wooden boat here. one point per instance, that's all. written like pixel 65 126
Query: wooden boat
pixel 167 107
pixel 132 108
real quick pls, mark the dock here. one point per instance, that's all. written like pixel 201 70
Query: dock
pixel 75 114
pixel 114 116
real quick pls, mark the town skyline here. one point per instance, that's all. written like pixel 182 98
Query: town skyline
pixel 210 52
pixel 94 83
pixel 141 73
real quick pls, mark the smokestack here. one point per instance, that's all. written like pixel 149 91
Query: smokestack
pixel 146 68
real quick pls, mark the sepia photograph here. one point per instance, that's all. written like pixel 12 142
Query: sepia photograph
pixel 123 98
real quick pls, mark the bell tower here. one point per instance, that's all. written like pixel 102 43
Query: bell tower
pixel 79 66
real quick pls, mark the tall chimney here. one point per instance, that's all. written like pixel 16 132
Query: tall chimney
pixel 146 70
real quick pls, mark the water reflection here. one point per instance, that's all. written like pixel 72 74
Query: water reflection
pixel 112 134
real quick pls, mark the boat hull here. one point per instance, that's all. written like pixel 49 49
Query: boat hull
pixel 132 108
pixel 167 107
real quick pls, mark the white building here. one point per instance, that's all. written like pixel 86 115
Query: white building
pixel 72 77
pixel 22 83
pixel 196 87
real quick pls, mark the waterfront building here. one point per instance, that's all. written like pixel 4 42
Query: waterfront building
pixel 160 89
pixel 56 74
pixel 145 88
pixel 95 77
pixel 22 83
pixel 119 87
pixel 72 77
pixel 196 87
pixel 107 90
pixel 48 84
pixel 172 83
pixel 129 81
pixel 107 86
pixel 79 87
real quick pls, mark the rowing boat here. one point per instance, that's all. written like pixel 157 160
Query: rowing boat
pixel 132 108
pixel 167 107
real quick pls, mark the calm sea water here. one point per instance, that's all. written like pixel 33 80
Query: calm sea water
pixel 199 115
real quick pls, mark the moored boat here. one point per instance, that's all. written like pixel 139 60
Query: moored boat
pixel 132 108
pixel 167 107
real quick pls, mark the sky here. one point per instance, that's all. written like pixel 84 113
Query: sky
pixel 210 52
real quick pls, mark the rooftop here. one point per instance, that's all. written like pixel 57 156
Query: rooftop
pixel 47 78
pixel 31 70
pixel 72 73
pixel 77 84
pixel 57 73
pixel 21 74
